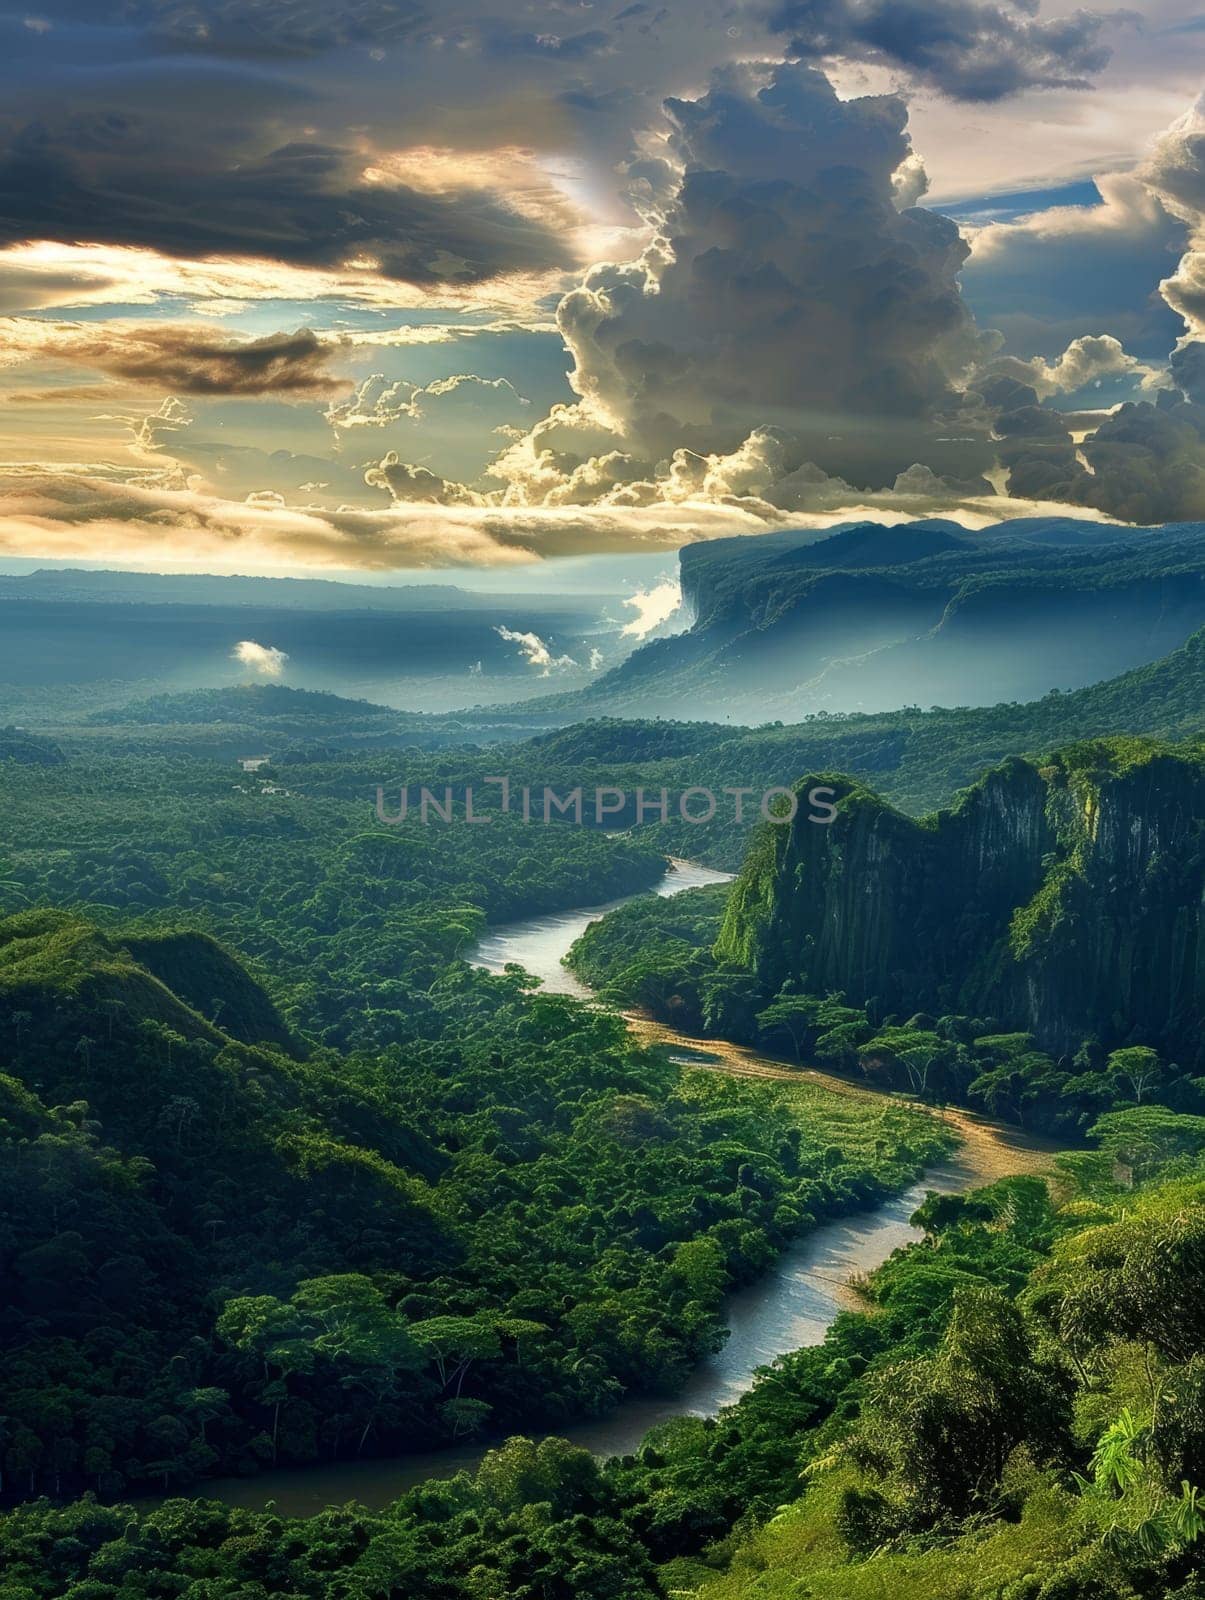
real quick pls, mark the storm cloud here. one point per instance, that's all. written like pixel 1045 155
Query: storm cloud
pixel 967 49
pixel 122 180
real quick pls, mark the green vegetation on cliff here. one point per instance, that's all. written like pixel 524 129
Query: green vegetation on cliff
pixel 1063 898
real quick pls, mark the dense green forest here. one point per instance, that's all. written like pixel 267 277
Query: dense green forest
pixel 346 918
pixel 283 1180
pixel 336 748
pixel 1019 1411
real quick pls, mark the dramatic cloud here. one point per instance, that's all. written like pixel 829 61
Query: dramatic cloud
pixel 42 273
pixel 968 49
pixel 792 342
pixel 1087 361
pixel 1176 173
pixel 265 660
pixel 775 331
pixel 156 515
pixel 186 360
pixel 304 204
pixel 433 148
pixel 422 333
pixel 155 430
pixel 375 404
pixel 784 300
pixel 1070 271
pixel 1146 462
pixel 408 483
pixel 536 652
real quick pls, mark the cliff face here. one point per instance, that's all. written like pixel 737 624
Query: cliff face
pixel 1065 899
pixel 869 618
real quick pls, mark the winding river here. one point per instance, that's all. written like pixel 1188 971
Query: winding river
pixel 790 1307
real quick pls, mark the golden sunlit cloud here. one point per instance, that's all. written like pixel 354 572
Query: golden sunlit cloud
pixel 156 518
pixel 41 275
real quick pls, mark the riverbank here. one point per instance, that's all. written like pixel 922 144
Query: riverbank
pixel 988 1149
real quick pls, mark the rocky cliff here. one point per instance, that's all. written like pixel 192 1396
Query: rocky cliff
pixel 871 618
pixel 1064 898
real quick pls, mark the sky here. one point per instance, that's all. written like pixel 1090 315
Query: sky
pixel 381 288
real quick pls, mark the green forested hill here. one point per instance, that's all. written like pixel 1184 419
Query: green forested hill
pixel 185 980
pixel 918 760
pixel 1037 950
pixel 215 1255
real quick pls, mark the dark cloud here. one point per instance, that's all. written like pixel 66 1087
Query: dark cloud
pixel 181 360
pixel 1188 369
pixel 268 27
pixel 221 95
pixel 304 204
pixel 249 27
pixel 966 49
pixel 1144 464
pixel 184 360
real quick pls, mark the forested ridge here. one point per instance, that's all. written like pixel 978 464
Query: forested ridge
pixel 860 615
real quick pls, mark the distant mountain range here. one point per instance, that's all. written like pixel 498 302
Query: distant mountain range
pixel 84 585
pixel 870 618
pixel 858 619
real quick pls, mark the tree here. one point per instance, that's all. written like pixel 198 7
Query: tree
pixel 207 1405
pixel 349 1322
pixel 793 1015
pixel 453 1344
pixel 1138 1067
pixel 272 1331
pixel 939 1429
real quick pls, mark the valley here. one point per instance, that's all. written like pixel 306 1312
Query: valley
pixel 371 1185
